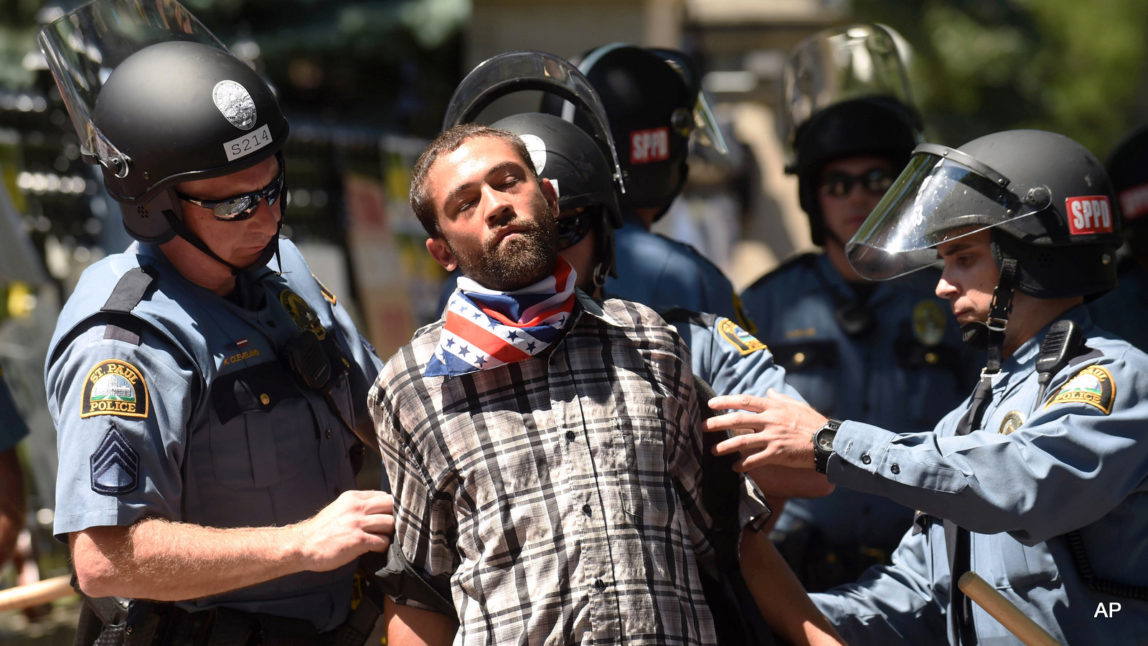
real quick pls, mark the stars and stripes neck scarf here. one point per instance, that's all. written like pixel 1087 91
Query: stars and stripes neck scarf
pixel 486 328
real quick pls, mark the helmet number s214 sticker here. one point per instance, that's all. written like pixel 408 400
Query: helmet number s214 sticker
pixel 248 143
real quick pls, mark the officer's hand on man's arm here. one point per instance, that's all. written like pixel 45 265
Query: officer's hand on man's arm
pixel 168 561
pixel 772 431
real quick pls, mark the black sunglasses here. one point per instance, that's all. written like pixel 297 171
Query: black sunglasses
pixel 240 207
pixel 875 181
pixel 572 228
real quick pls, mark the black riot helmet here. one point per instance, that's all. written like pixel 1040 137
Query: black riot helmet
pixel 1128 168
pixel 654 102
pixel 1046 200
pixel 157 100
pixel 181 111
pixel 845 93
pixel 574 163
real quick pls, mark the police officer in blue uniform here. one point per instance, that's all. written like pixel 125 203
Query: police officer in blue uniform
pixel 13 504
pixel 881 353
pixel 205 387
pixel 1035 482
pixel 1124 309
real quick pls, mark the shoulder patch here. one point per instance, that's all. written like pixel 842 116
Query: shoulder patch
pixel 1093 385
pixel 745 342
pixel 114 387
pixel 301 313
pixel 115 465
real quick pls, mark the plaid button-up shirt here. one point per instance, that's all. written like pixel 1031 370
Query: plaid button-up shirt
pixel 558 497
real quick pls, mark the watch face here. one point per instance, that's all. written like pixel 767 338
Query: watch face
pixel 824 437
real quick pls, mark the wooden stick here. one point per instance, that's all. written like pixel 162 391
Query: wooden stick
pixel 34 594
pixel 1004 611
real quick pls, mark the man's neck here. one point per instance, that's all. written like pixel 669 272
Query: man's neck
pixel 1031 315
pixel 198 267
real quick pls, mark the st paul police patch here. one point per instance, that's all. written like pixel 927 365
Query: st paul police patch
pixel 114 387
pixel 1093 385
pixel 745 342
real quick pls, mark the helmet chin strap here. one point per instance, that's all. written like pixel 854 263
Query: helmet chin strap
pixel 270 251
pixel 989 335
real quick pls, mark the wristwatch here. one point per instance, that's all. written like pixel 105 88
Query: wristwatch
pixel 823 444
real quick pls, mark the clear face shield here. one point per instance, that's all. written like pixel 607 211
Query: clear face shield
pixel 835 66
pixel 85 45
pixel 942 195
pixel 521 71
pixel 700 122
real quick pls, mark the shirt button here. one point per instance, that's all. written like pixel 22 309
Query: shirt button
pixel 570 436
pixel 865 459
pixel 600 584
pixel 328 433
pixel 586 509
pixel 264 399
pixel 895 469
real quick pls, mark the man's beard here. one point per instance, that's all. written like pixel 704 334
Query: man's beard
pixel 507 265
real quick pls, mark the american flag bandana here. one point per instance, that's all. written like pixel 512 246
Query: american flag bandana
pixel 485 329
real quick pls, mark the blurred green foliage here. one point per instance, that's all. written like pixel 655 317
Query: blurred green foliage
pixel 985 65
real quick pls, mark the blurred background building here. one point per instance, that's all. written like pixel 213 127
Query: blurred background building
pixel 365 84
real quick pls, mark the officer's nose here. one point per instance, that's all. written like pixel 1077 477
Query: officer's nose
pixel 944 288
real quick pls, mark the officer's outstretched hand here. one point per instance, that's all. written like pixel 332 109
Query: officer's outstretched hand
pixel 771 431
pixel 355 523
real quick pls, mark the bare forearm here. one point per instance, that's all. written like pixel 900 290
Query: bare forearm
pixel 12 504
pixel 157 559
pixel 782 600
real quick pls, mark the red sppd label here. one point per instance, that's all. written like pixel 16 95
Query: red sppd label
pixel 1089 214
pixel 649 145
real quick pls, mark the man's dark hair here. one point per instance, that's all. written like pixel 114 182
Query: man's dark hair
pixel 449 141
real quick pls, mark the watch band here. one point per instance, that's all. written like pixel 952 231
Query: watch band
pixel 823 444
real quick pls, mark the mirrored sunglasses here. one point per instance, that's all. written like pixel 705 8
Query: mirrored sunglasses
pixel 875 182
pixel 242 206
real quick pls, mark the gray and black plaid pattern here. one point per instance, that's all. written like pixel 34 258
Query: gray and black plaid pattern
pixel 560 496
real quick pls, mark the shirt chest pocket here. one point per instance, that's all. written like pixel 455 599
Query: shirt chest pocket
pixel 262 428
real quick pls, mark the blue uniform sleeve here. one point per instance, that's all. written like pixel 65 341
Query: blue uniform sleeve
pixel 900 603
pixel 12 426
pixel 733 361
pixel 1081 449
pixel 121 411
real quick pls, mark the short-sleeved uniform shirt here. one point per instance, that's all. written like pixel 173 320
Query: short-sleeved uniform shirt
pixel 173 402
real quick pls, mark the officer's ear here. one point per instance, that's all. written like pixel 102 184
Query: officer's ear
pixel 442 253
